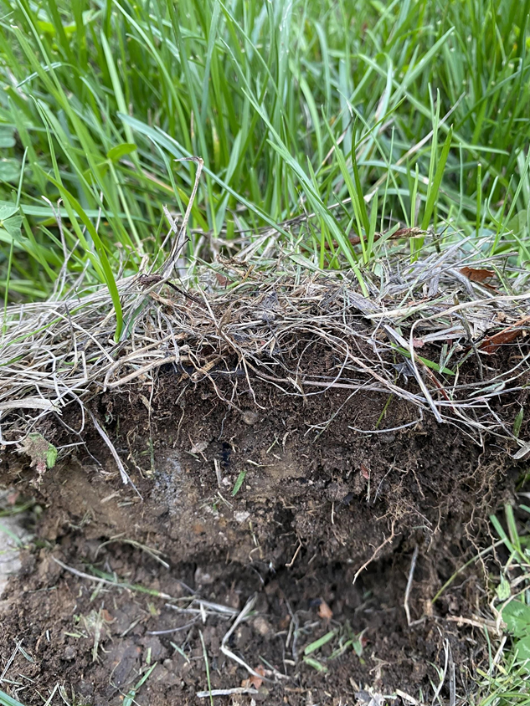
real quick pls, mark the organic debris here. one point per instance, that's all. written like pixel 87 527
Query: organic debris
pixel 324 611
pixel 476 275
pixel 42 454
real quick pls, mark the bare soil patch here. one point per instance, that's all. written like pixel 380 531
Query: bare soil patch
pixel 316 505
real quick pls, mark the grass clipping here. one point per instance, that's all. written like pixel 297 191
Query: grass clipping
pixel 423 327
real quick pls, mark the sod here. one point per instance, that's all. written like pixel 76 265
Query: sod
pixel 278 447
pixel 264 454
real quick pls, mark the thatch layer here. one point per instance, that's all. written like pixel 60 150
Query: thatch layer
pixel 415 332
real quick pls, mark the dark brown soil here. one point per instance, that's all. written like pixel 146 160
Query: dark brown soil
pixel 319 501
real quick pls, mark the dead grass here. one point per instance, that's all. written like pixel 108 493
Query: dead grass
pixel 412 337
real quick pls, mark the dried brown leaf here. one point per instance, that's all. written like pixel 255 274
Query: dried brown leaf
pixel 490 344
pixel 221 279
pixel 476 275
pixel 407 233
pixel 255 681
pixel 324 611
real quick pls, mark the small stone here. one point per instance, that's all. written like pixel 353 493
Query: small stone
pixel 243 636
pixel 261 626
pixel 202 578
pixel 262 695
pixel 240 516
pixel 199 447
pixel 70 652
pixel 249 417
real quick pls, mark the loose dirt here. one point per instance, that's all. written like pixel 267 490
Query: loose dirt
pixel 272 496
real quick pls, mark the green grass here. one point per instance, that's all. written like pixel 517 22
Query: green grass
pixel 6 700
pixel 294 106
pixel 507 681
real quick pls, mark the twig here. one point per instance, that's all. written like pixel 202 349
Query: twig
pixel 290 564
pixel 227 692
pixel 409 699
pixel 10 660
pixel 100 579
pixel 226 651
pixel 169 631
pixel 124 475
pixel 482 623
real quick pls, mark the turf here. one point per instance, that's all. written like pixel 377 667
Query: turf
pixel 367 116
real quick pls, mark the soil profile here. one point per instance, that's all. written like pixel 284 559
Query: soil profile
pixel 306 468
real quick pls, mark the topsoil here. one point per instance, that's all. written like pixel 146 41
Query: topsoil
pixel 274 497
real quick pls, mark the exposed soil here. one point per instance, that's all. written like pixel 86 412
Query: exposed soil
pixel 320 505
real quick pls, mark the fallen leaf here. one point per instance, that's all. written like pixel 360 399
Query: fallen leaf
pixel 479 276
pixel 324 611
pixel 407 233
pixel 221 279
pixel 492 343
pixel 43 454
pixel 255 681
pixel 284 622
pixel 476 275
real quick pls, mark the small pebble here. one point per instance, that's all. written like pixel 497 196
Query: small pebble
pixel 241 516
pixel 70 652
pixel 261 626
pixel 250 417
pixel 203 578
